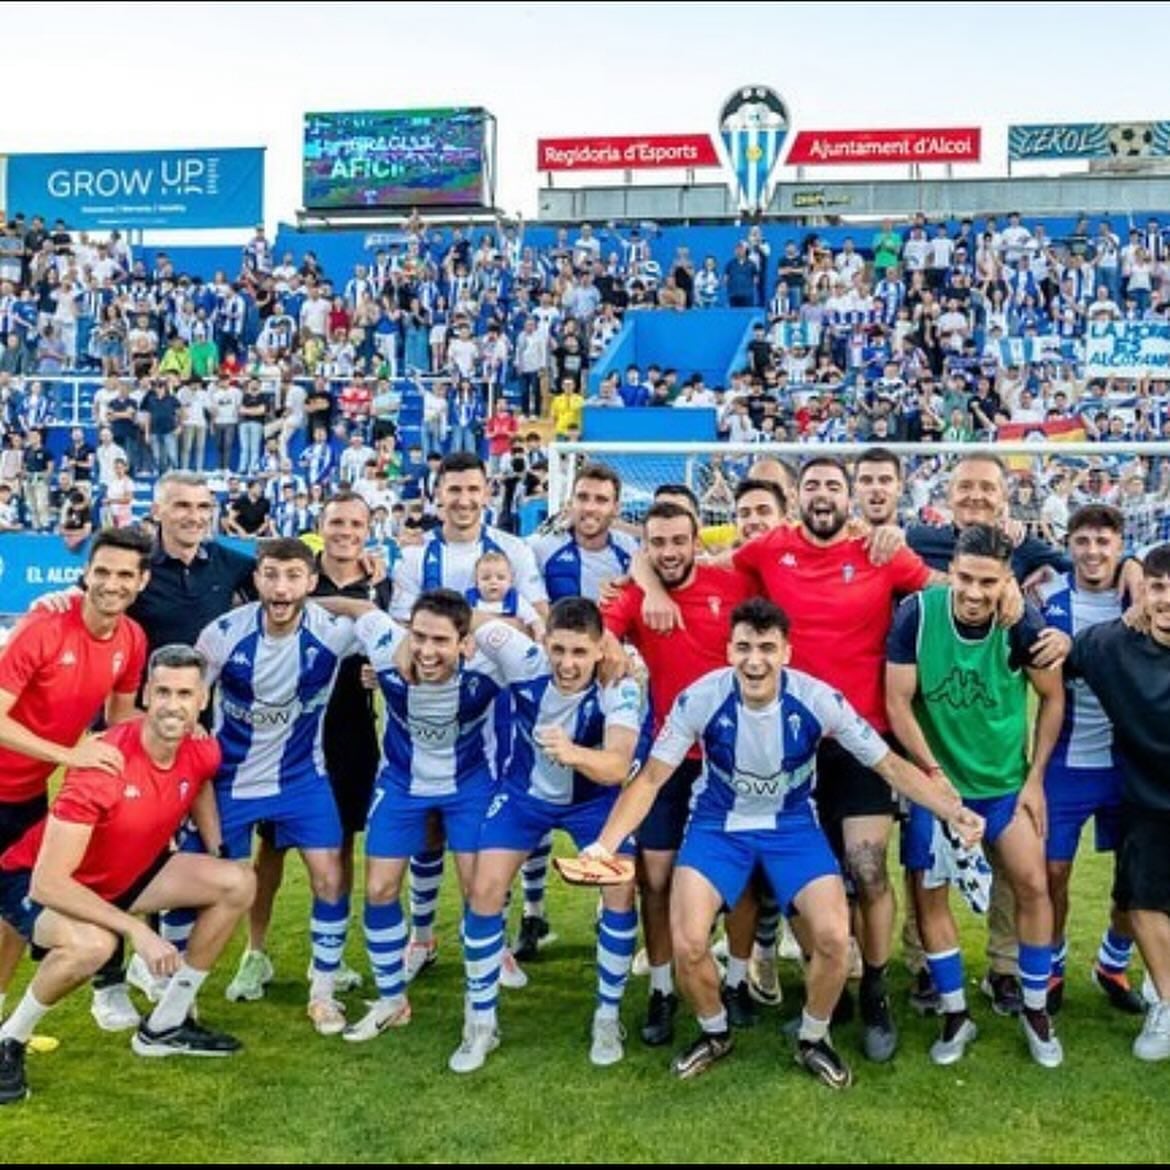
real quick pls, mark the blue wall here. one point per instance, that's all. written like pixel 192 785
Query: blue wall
pixel 698 342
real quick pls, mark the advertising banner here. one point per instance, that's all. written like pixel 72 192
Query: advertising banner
pixel 862 147
pixel 1073 140
pixel 143 189
pixel 637 153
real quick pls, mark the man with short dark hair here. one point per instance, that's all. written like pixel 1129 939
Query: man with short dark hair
pixel 1083 778
pixel 59 671
pixel 73 884
pixel 275 661
pixel 760 725
pixel 957 695
pixel 704 595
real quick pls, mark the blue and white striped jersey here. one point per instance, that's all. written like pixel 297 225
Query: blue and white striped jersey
pixel 437 564
pixel 586 716
pixel 439 736
pixel 271 698
pixel 1086 736
pixel 572 571
pixel 758 764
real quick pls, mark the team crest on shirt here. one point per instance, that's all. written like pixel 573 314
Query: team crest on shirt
pixel 118 660
pixel 794 725
pixel 847 572
pixel 311 656
pixel 184 788
pixel 715 604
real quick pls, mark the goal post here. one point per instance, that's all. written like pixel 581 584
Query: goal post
pixel 1133 476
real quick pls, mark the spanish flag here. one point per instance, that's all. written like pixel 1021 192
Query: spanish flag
pixel 1061 430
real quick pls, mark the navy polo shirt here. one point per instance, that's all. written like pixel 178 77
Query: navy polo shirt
pixel 935 544
pixel 180 599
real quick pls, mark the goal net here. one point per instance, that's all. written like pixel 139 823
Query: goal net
pixel 1047 480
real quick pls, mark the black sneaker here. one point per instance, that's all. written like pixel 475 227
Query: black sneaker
pixel 1118 991
pixel 1004 992
pixel 821 1059
pixel 533 933
pixel 188 1039
pixel 741 1008
pixel 924 995
pixel 844 1011
pixel 13 1086
pixel 700 1056
pixel 879 1037
pixel 659 1026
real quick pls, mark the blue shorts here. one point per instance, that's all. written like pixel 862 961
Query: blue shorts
pixel 302 817
pixel 666 822
pixel 918 828
pixel 397 825
pixel 517 821
pixel 1074 795
pixel 16 907
pixel 790 856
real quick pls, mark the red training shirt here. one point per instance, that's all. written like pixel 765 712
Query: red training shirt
pixel 677 659
pixel 134 814
pixel 61 676
pixel 841 606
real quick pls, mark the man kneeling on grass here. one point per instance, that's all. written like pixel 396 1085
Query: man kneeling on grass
pixel 78 880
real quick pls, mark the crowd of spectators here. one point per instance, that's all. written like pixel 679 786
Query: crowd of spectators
pixel 284 376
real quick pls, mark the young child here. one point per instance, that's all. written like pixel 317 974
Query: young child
pixel 495 592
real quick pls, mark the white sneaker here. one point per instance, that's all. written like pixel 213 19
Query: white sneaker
pixel 474 1050
pixel 112 1009
pixel 764 981
pixel 511 975
pixel 383 1014
pixel 345 978
pixel 328 1016
pixel 946 1051
pixel 138 975
pixel 1046 1051
pixel 607 1047
pixel 641 964
pixel 719 950
pixel 419 956
pixel 788 947
pixel 253 974
pixel 1153 1042
pixel 1149 991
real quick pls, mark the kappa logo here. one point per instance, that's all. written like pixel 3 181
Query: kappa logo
pixel 240 659
pixel 1055 611
pixel 962 690
pixel 788 560
pixel 724 722
pixel 69 659
pixel 131 792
